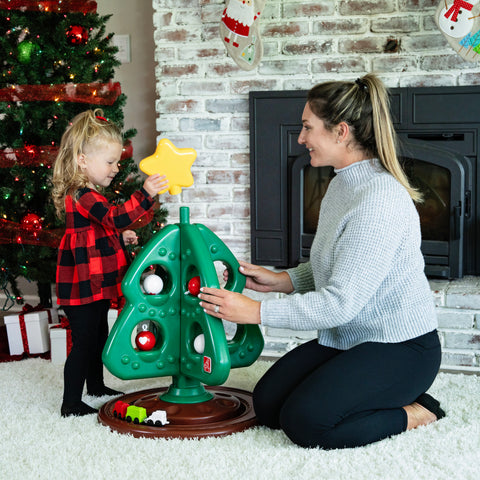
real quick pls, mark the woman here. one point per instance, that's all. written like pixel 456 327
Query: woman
pixel 364 289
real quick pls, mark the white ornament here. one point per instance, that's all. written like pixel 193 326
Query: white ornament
pixel 199 343
pixel 153 284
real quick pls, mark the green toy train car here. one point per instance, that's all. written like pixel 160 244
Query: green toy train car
pixel 135 414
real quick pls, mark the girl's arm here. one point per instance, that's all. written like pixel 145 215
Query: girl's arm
pixel 96 208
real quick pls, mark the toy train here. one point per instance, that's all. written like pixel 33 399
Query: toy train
pixel 138 415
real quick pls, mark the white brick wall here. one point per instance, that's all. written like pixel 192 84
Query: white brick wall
pixel 203 97
pixel 458 308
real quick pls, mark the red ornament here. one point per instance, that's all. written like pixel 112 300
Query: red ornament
pixel 31 221
pixel 194 286
pixel 77 35
pixel 145 340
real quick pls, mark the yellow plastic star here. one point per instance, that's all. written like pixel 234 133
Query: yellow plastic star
pixel 173 162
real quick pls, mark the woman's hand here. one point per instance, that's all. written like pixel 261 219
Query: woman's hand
pixel 261 279
pixel 129 237
pixel 155 183
pixel 231 306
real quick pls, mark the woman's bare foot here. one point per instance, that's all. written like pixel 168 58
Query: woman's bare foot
pixel 418 415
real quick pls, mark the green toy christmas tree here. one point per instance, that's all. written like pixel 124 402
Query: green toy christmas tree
pixel 162 330
pixel 57 61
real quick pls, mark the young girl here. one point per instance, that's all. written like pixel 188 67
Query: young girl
pixel 92 257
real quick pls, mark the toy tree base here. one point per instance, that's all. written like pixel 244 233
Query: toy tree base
pixel 230 411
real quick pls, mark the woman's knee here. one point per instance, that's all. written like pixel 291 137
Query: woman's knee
pixel 265 409
pixel 303 426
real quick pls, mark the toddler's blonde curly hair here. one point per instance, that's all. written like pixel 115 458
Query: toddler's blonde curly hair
pixel 86 128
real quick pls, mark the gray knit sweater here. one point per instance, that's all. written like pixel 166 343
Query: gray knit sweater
pixel 364 281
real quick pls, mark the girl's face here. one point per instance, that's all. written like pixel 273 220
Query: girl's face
pixel 322 144
pixel 99 162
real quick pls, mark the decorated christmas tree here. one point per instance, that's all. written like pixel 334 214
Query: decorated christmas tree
pixel 57 61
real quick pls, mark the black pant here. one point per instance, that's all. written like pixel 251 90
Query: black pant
pixel 89 324
pixel 328 398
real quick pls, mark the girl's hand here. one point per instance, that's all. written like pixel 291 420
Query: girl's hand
pixel 231 306
pixel 261 279
pixel 129 237
pixel 155 183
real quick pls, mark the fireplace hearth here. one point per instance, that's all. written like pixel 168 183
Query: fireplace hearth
pixel 439 133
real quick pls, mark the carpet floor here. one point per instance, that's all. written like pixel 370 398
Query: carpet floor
pixel 37 443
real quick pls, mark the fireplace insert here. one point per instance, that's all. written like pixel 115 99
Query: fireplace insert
pixel 438 130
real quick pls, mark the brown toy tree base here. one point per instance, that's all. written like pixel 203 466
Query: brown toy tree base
pixel 229 411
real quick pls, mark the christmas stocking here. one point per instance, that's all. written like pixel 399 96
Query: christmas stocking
pixel 239 32
pixel 459 21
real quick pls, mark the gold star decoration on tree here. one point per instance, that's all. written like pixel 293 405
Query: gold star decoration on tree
pixel 173 162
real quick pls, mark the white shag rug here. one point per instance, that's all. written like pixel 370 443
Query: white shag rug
pixel 37 443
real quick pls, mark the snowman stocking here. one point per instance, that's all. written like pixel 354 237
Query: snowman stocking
pixel 239 32
pixel 459 21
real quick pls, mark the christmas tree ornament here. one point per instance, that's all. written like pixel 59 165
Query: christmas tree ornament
pixel 239 31
pixel 145 340
pixel 77 35
pixel 194 286
pixel 153 284
pixel 31 221
pixel 25 50
pixel 199 343
pixel 459 22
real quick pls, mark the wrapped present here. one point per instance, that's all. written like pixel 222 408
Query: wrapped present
pixel 60 341
pixel 112 317
pixel 14 334
pixel 115 309
pixel 61 335
pixel 27 331
pixel 53 316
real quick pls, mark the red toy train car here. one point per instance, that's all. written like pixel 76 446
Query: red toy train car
pixel 120 409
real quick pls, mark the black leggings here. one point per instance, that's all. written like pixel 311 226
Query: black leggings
pixel 89 324
pixel 328 398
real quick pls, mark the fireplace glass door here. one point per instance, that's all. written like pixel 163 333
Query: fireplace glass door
pixel 444 179
pixel 440 175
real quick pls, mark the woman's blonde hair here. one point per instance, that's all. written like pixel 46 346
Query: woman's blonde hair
pixel 86 128
pixel 365 106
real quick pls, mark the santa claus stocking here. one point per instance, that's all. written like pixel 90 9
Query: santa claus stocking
pixel 459 21
pixel 239 31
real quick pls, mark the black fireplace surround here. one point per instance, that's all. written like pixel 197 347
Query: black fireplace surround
pixel 439 133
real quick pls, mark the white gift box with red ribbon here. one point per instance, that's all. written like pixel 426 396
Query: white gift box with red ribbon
pixel 60 341
pixel 112 317
pixel 28 332
pixel 60 338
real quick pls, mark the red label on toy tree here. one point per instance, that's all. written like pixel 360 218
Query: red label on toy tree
pixel 207 364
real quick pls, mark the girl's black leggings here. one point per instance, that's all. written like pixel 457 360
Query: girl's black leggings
pixel 329 398
pixel 89 324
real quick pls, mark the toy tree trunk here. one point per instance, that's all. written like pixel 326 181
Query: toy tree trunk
pixel 173 315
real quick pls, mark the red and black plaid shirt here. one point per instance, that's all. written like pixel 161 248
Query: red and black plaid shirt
pixel 91 258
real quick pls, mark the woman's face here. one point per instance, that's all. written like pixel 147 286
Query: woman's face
pixel 322 144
